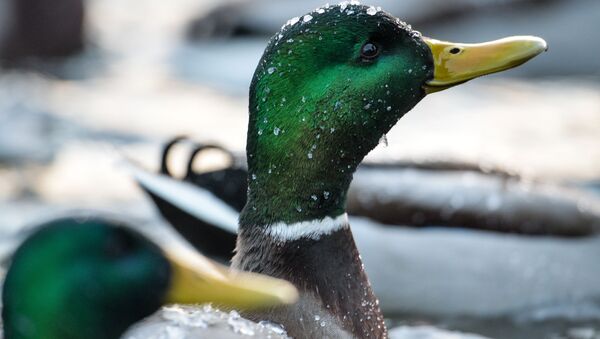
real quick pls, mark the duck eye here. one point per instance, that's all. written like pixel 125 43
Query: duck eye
pixel 369 51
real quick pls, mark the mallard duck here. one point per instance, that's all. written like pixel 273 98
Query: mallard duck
pixel 95 278
pixel 329 85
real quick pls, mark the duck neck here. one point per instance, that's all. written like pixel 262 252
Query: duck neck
pixel 289 197
pixel 294 227
pixel 321 259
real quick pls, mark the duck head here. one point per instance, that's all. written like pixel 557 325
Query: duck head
pixel 329 85
pixel 94 280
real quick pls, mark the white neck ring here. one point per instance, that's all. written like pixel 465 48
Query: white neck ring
pixel 310 229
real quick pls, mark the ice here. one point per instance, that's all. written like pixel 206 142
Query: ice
pixel 273 327
pixel 175 322
pixel 240 325
pixel 428 332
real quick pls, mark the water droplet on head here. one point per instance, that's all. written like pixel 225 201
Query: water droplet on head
pixel 383 140
pixel 271 70
pixel 372 10
pixel 307 18
pixel 292 21
pixel 276 130
pixel 314 197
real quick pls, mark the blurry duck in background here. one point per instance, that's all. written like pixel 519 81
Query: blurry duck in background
pixel 40 29
pixel 95 278
pixel 330 84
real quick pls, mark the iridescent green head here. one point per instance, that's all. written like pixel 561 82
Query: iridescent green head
pixel 93 279
pixel 82 281
pixel 329 85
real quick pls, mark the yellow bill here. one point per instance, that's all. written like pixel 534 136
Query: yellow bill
pixel 456 63
pixel 196 280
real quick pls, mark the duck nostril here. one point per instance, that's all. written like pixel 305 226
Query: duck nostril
pixel 455 50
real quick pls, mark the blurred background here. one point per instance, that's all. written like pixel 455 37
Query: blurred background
pixel 85 83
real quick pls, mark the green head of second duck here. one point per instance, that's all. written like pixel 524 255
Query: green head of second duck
pixel 94 279
pixel 329 85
